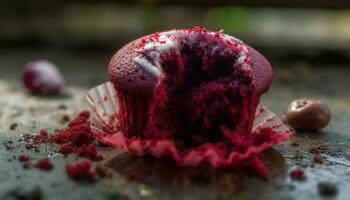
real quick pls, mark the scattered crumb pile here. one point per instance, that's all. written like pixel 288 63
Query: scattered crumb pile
pixel 297 174
pixel 76 139
pixel 43 164
pixel 82 170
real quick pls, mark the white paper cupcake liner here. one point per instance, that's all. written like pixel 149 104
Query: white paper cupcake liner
pixel 104 106
pixel 104 103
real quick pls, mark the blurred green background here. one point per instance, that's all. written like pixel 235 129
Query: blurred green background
pixel 85 34
pixel 108 25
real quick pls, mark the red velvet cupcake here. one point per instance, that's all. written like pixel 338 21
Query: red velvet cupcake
pixel 190 95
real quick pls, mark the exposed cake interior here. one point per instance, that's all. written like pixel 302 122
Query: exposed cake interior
pixel 204 95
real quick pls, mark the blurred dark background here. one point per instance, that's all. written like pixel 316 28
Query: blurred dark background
pixel 306 41
pixel 81 36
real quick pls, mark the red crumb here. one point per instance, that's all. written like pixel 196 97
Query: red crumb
pixel 82 118
pixel 44 164
pixel 78 133
pixel 130 177
pixel 297 174
pixel 294 144
pixel 317 159
pixel 298 156
pixel 27 165
pixel 81 171
pixel 42 137
pixel 66 149
pixel 87 151
pixel 256 165
pixel 23 158
pixel 13 126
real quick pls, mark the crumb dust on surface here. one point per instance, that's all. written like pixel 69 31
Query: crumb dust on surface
pixel 148 178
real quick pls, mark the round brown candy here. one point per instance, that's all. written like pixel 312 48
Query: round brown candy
pixel 308 114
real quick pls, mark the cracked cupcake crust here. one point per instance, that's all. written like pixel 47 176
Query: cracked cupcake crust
pixel 136 66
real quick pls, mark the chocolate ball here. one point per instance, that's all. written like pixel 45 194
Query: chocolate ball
pixel 308 114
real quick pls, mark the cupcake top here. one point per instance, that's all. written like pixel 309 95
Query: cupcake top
pixel 137 67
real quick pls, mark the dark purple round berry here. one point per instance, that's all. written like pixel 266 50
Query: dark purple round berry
pixel 42 77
